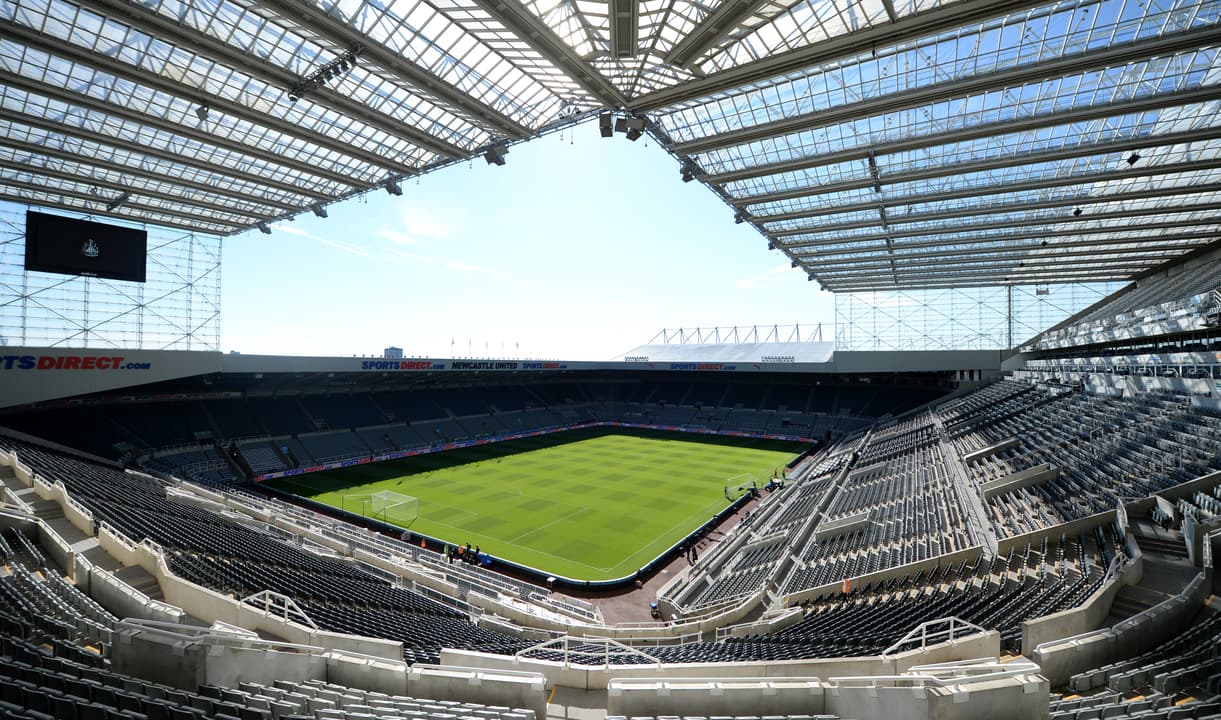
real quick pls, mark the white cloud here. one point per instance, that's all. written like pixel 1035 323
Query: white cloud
pixel 395 236
pixel 397 255
pixel 337 244
pixel 415 225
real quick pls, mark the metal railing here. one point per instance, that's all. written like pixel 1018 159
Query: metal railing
pixel 933 632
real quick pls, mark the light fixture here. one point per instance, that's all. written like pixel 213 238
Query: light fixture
pixel 739 217
pixel 1076 212
pixel 795 263
pixel 635 128
pixel 325 73
pixel 114 204
pixel 606 124
pixel 392 187
pixel 264 228
pixel 319 210
pixel 689 170
pixel 620 124
pixel 771 246
pixel 495 155
pixel 201 112
pixel 1133 158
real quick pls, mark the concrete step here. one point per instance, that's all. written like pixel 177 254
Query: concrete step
pixel 47 509
pixel 1162 546
pixel 1133 599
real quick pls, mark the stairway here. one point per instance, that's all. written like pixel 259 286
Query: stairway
pixel 1166 571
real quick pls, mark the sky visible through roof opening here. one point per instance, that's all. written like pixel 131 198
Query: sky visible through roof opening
pixel 578 248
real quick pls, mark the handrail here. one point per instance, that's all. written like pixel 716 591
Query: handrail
pixel 953 628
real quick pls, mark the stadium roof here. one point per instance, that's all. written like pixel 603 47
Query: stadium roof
pixel 880 144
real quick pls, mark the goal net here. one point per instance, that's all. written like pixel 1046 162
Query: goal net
pixel 739 485
pixel 387 506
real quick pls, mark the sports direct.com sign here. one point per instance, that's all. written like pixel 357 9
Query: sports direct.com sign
pixel 70 362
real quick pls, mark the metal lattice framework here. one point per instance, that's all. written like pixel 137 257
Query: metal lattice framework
pixel 879 144
pixel 177 308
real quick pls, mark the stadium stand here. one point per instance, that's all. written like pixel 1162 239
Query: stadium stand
pixel 1055 508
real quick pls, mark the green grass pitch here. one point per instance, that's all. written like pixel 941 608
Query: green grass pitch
pixel 587 505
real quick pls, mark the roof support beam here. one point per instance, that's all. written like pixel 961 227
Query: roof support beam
pixel 913 250
pixel 218 104
pixel 163 28
pixel 165 155
pixel 317 20
pixel 1043 184
pixel 1003 272
pixel 995 163
pixel 936 92
pixel 225 197
pixel 886 281
pixel 1024 256
pixel 1074 201
pixel 526 26
pixel 97 206
pixel 982 282
pixel 624 24
pixel 177 200
pixel 796 248
pixel 974 229
pixel 173 128
pixel 716 26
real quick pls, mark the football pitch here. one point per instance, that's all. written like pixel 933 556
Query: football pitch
pixel 591 504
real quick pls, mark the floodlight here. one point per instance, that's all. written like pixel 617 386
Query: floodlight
pixel 114 204
pixel 771 246
pixel 739 217
pixel 689 170
pixel 495 155
pixel 795 263
pixel 392 187
pixel 635 128
pixel 606 124
pixel 1077 212
pixel 201 112
pixel 1133 158
pixel 319 210
pixel 263 228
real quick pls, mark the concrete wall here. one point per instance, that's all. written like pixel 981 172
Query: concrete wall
pixel 154 658
pixel 375 674
pixel 1005 699
pixel 211 606
pixel 701 696
pixel 597 677
pixel 1021 479
pixel 883 575
pixel 187 665
pixel 506 689
pixel 1053 534
pixel 1143 631
pixel 124 601
pixel 1085 617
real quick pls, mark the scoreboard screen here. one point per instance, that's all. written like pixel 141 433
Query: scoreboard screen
pixel 68 246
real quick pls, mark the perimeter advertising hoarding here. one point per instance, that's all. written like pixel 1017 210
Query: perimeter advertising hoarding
pixel 68 246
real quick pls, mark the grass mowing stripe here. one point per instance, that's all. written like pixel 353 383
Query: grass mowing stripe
pixel 589 505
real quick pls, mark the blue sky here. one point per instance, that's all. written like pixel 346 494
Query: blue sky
pixel 579 248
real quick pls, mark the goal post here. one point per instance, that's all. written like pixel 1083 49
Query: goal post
pixel 739 485
pixel 388 506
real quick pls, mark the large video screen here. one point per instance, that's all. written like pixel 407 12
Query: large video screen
pixel 68 246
